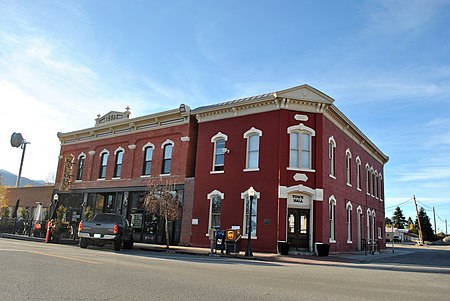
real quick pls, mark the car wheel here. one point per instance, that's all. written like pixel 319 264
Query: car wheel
pixel 117 244
pixel 83 243
pixel 128 244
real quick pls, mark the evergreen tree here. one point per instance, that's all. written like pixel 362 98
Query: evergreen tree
pixel 387 221
pixel 398 218
pixel 427 230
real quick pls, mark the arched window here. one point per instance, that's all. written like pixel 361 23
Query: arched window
pixel 331 156
pixel 300 141
pixel 367 179
pixel 358 173
pixel 348 167
pixel 103 163
pixel 167 157
pixel 253 215
pixel 252 158
pixel 332 217
pixel 215 208
pixel 219 152
pixel 81 159
pixel 349 221
pixel 148 157
pixel 118 163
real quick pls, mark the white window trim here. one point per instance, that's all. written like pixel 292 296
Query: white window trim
pixel 333 158
pixel 301 128
pixel 103 152
pixel 349 206
pixel 209 197
pixel 358 173
pixel 81 155
pixel 348 167
pixel 148 144
pixel 332 200
pixel 168 141
pixel 119 149
pixel 214 139
pixel 244 196
pixel 247 134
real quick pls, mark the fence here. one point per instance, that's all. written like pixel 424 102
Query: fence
pixel 21 226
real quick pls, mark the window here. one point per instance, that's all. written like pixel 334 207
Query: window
pixel 167 159
pixel 348 167
pixel 380 236
pixel 300 147
pixel 375 184
pixel 247 198
pixel 349 222
pixel 81 159
pixel 215 208
pixel 367 180
pixel 331 155
pixel 381 187
pixel 332 215
pixel 148 156
pixel 118 165
pixel 103 163
pixel 252 160
pixel 358 173
pixel 372 182
pixel 219 152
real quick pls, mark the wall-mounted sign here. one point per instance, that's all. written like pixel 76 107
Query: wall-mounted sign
pixel 299 200
pixel 136 220
pixel 65 183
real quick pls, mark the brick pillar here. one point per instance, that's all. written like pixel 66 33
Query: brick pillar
pixel 188 202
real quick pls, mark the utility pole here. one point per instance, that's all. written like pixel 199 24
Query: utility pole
pixel 446 227
pixel 434 216
pixel 418 221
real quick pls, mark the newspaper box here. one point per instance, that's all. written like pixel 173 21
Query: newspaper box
pixel 232 240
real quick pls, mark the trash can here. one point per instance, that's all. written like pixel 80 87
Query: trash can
pixel 220 240
pixel 322 249
pixel 283 247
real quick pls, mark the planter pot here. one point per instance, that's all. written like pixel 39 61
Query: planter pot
pixel 283 247
pixel 322 249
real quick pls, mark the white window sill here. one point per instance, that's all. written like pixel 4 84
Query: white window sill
pixel 250 169
pixel 78 181
pixel 115 178
pixel 300 169
pixel 216 172
pixel 359 189
pixel 165 175
pixel 145 176
pixel 332 241
pixel 333 177
pixel 246 237
pixel 101 179
pixel 349 241
pixel 349 185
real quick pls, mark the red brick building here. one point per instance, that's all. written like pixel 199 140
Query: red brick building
pixel 317 177
pixel 108 167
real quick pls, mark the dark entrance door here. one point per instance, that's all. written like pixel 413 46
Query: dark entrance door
pixel 298 228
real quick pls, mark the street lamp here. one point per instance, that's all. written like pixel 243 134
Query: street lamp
pixel 18 141
pixel 251 194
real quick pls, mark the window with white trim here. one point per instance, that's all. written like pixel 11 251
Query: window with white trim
pixel 118 163
pixel 381 187
pixel 81 159
pixel 348 167
pixel 219 152
pixel 215 208
pixel 148 157
pixel 380 234
pixel 372 182
pixel 349 221
pixel 358 173
pixel 103 163
pixel 331 156
pixel 300 144
pixel 252 158
pixel 167 158
pixel 332 217
pixel 254 212
pixel 376 185
pixel 367 180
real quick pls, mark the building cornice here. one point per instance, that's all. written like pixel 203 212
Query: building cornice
pixel 127 126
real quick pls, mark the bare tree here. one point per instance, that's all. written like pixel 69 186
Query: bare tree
pixel 162 200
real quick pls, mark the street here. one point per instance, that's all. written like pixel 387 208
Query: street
pixel 38 271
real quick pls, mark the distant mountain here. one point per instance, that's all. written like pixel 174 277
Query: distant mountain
pixel 9 179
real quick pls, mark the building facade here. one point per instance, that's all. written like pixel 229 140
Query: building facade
pixel 108 167
pixel 317 177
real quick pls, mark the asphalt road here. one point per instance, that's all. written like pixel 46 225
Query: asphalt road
pixel 37 271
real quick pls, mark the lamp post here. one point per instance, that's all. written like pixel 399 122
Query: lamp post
pixel 251 195
pixel 53 206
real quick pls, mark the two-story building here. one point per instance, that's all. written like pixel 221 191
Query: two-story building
pixel 317 177
pixel 108 167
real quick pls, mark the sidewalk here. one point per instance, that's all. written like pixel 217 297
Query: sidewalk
pixel 300 258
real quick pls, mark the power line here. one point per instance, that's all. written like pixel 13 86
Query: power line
pixel 398 205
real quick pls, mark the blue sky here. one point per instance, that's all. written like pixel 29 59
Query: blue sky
pixel 386 64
